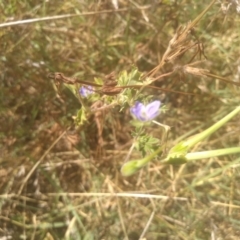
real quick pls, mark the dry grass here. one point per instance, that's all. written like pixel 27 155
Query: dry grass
pixel 50 190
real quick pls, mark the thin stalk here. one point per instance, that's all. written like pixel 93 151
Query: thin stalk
pixel 212 153
pixel 201 136
pixel 133 166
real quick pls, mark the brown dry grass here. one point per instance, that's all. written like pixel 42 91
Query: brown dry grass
pixel 50 190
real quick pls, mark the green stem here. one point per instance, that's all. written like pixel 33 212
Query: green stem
pixel 133 166
pixel 212 153
pixel 199 137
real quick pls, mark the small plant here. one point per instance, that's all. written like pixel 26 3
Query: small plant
pixel 179 154
pixel 126 90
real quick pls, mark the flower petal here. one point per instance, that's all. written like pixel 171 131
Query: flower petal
pixel 136 108
pixel 152 109
pixel 85 91
pixel 139 111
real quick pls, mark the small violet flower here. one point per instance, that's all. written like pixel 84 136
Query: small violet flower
pixel 146 113
pixel 85 91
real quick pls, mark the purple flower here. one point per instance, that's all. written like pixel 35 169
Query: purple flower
pixel 146 113
pixel 85 91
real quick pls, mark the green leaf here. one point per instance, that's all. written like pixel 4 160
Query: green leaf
pixel 131 167
pixel 81 117
pixel 179 148
pixel 176 158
